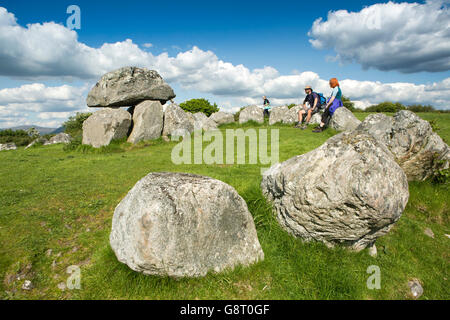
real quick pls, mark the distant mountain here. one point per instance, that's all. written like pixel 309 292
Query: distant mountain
pixel 59 130
pixel 41 130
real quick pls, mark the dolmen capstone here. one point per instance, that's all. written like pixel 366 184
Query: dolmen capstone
pixel 129 86
pixel 142 91
pixel 418 150
pixel 349 191
pixel 183 225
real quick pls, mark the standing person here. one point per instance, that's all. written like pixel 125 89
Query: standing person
pixel 333 104
pixel 313 100
pixel 267 106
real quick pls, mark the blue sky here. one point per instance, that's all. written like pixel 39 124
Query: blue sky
pixel 255 34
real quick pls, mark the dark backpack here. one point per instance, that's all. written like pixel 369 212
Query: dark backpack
pixel 322 99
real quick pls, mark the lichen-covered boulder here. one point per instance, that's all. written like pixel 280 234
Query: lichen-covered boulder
pixel 291 116
pixel 177 121
pixel 8 146
pixel 416 148
pixel 278 115
pixel 148 120
pixel 251 113
pixel 344 120
pixel 222 118
pixel 129 86
pixel 349 191
pixel 183 225
pixel 106 125
pixel 59 138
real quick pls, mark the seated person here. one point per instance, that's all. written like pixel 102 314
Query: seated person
pixel 313 100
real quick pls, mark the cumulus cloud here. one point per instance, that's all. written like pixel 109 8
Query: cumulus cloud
pixel 407 37
pixel 49 50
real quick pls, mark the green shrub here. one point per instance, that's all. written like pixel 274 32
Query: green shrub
pixel 74 126
pixel 199 105
pixel 19 137
pixel 290 106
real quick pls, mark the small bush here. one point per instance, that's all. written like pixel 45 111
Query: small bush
pixel 199 105
pixel 74 126
pixel 19 137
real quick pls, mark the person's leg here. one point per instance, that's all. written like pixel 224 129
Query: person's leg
pixel 308 118
pixel 300 118
pixel 266 113
pixel 325 119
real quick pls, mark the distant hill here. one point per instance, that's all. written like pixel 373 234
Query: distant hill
pixel 42 130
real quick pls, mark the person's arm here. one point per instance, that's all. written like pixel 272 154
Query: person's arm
pixel 315 103
pixel 333 96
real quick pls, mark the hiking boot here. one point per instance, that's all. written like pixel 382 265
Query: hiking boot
pixel 303 127
pixel 298 125
pixel 318 129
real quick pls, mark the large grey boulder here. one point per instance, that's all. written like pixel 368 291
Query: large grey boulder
pixel 344 120
pixel 278 114
pixel 222 118
pixel 59 138
pixel 199 119
pixel 129 86
pixel 177 122
pixel 253 113
pixel 349 191
pixel 148 120
pixel 316 118
pixel 202 122
pixel 291 116
pixel 106 125
pixel 183 225
pixel 416 148
pixel 8 146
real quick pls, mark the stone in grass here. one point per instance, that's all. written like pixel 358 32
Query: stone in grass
pixel 349 191
pixel 429 232
pixel 27 285
pixel 183 225
pixel 416 288
pixel 251 113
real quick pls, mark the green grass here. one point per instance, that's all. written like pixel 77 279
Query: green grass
pixel 64 201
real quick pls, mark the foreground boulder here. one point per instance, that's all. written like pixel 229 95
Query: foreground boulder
pixel 183 225
pixel 278 114
pixel 251 113
pixel 59 138
pixel 106 125
pixel 148 119
pixel 344 120
pixel 416 148
pixel 222 118
pixel 8 146
pixel 177 122
pixel 129 86
pixel 349 191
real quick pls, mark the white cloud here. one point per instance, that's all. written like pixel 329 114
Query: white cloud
pixel 52 51
pixel 407 37
pixel 147 45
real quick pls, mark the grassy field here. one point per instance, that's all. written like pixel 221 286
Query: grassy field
pixel 56 209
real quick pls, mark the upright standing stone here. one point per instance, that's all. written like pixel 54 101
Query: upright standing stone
pixel 177 122
pixel 222 118
pixel 278 114
pixel 148 119
pixel 106 125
